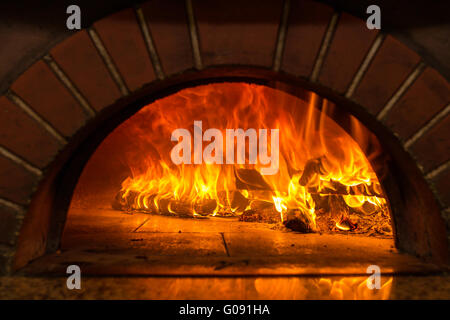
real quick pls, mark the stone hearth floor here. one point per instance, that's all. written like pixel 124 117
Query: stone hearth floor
pixel 181 288
pixel 142 256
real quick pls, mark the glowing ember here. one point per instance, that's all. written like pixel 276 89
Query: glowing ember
pixel 324 173
pixel 346 225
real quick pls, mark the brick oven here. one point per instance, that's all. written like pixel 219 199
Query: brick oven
pixel 80 142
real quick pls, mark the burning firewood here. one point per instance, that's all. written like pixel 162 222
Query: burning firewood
pixel 250 179
pixel 184 208
pixel 175 207
pixel 346 225
pixel 314 169
pixel 205 207
pixel 297 220
pixel 261 205
pixel 254 200
pixel 132 201
pixel 337 188
pixel 234 199
pixel 124 201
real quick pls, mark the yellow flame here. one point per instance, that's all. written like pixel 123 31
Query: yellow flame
pixel 305 133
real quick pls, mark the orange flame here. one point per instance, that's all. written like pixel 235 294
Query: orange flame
pixel 316 154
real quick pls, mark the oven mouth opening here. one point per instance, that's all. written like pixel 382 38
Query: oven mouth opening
pixel 244 151
pixel 234 170
pixel 323 219
pixel 324 213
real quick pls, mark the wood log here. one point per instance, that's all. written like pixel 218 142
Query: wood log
pixel 186 208
pixel 297 220
pixel 314 169
pixel 205 207
pixel 125 203
pixel 261 205
pixel 340 189
pixel 250 179
pixel 145 203
pixel 234 199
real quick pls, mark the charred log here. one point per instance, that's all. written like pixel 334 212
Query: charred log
pixel 314 169
pixel 299 221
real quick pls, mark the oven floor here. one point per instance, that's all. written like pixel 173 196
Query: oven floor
pixel 113 243
pixel 143 256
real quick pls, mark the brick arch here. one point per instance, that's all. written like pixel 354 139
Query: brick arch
pixel 107 69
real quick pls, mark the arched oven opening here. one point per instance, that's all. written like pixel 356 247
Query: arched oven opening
pixel 333 207
pixel 233 169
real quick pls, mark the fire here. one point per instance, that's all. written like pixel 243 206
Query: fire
pixel 352 288
pixel 329 288
pixel 320 164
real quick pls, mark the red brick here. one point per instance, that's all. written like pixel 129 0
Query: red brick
pixel 433 149
pixel 79 59
pixel 442 186
pixel 123 39
pixel 308 21
pixel 429 94
pixel 167 22
pixel 24 136
pixel 40 88
pixel 9 225
pixel 237 32
pixel 351 42
pixel 389 69
pixel 16 183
